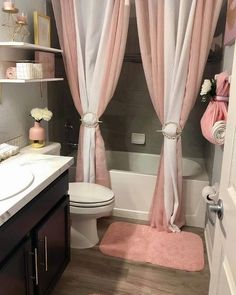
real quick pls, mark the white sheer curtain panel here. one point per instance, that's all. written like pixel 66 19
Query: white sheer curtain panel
pixel 93 56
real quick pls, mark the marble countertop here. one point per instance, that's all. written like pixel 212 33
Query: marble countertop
pixel 44 168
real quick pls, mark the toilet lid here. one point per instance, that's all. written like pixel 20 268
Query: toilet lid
pixel 89 194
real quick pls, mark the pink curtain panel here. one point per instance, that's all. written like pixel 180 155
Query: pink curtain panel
pixel 93 44
pixel 213 122
pixel 175 39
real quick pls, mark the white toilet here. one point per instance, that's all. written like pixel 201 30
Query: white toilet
pixel 88 202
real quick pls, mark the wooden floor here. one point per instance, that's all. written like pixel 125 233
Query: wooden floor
pixel 90 272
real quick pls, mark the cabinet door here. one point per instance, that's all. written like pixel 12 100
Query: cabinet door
pixel 53 245
pixel 16 273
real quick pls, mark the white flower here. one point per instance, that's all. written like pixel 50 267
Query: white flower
pixel 47 115
pixel 39 114
pixel 206 87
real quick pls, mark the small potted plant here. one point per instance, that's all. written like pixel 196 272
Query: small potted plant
pixel 37 133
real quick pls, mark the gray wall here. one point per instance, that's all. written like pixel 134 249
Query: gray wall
pixel 17 100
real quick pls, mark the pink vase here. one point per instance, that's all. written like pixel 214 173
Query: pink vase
pixel 37 135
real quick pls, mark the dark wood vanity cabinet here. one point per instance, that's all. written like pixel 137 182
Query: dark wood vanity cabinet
pixel 15 274
pixel 35 243
pixel 52 243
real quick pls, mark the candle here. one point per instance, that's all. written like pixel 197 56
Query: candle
pixel 8 5
pixel 22 18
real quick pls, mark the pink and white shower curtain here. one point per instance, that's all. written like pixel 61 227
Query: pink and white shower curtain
pixel 175 38
pixel 93 36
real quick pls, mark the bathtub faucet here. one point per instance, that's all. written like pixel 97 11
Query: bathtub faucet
pixel 71 144
pixel 68 125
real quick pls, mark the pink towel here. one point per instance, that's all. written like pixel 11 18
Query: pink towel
pixel 11 73
pixel 217 111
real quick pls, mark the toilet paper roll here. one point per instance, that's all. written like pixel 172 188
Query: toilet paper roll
pixel 210 194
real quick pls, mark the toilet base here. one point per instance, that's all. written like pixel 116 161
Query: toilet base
pixel 83 232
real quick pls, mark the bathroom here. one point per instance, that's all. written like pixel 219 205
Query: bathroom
pixel 130 113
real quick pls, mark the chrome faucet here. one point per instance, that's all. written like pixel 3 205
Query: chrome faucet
pixel 68 125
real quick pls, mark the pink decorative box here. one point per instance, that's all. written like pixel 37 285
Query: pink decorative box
pixel 47 59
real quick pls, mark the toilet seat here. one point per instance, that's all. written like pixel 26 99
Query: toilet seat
pixel 90 205
pixel 89 195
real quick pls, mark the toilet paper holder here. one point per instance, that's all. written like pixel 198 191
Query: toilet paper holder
pixel 216 208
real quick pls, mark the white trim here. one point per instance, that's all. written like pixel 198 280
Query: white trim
pixel 29 46
pixel 30 80
pixel 191 220
pixel 209 245
pixel 141 215
pixel 195 220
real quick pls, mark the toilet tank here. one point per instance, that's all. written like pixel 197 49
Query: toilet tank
pixel 51 148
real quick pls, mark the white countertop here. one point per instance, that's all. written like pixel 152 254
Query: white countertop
pixel 45 169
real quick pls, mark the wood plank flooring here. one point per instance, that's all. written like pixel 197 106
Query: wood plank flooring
pixel 90 272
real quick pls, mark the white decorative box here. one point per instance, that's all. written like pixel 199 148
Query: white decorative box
pixel 28 71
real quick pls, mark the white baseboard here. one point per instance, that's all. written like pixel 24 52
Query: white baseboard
pixel 191 220
pixel 194 220
pixel 125 213
pixel 209 246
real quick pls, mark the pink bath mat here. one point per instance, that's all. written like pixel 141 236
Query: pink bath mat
pixel 142 243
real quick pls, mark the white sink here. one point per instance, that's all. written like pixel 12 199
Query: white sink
pixel 13 180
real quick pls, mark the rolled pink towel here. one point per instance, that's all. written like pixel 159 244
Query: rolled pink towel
pixel 216 111
pixel 213 121
pixel 11 73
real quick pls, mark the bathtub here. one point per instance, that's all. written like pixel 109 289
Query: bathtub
pixel 133 179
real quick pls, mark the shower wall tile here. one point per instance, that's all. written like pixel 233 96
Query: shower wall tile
pixel 132 45
pixel 131 110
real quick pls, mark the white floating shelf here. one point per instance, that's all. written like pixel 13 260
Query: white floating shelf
pixel 30 80
pixel 23 45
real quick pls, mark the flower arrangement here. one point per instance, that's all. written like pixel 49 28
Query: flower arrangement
pixel 208 89
pixel 41 114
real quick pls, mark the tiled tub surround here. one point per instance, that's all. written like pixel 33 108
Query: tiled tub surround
pixel 45 170
pixel 133 179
